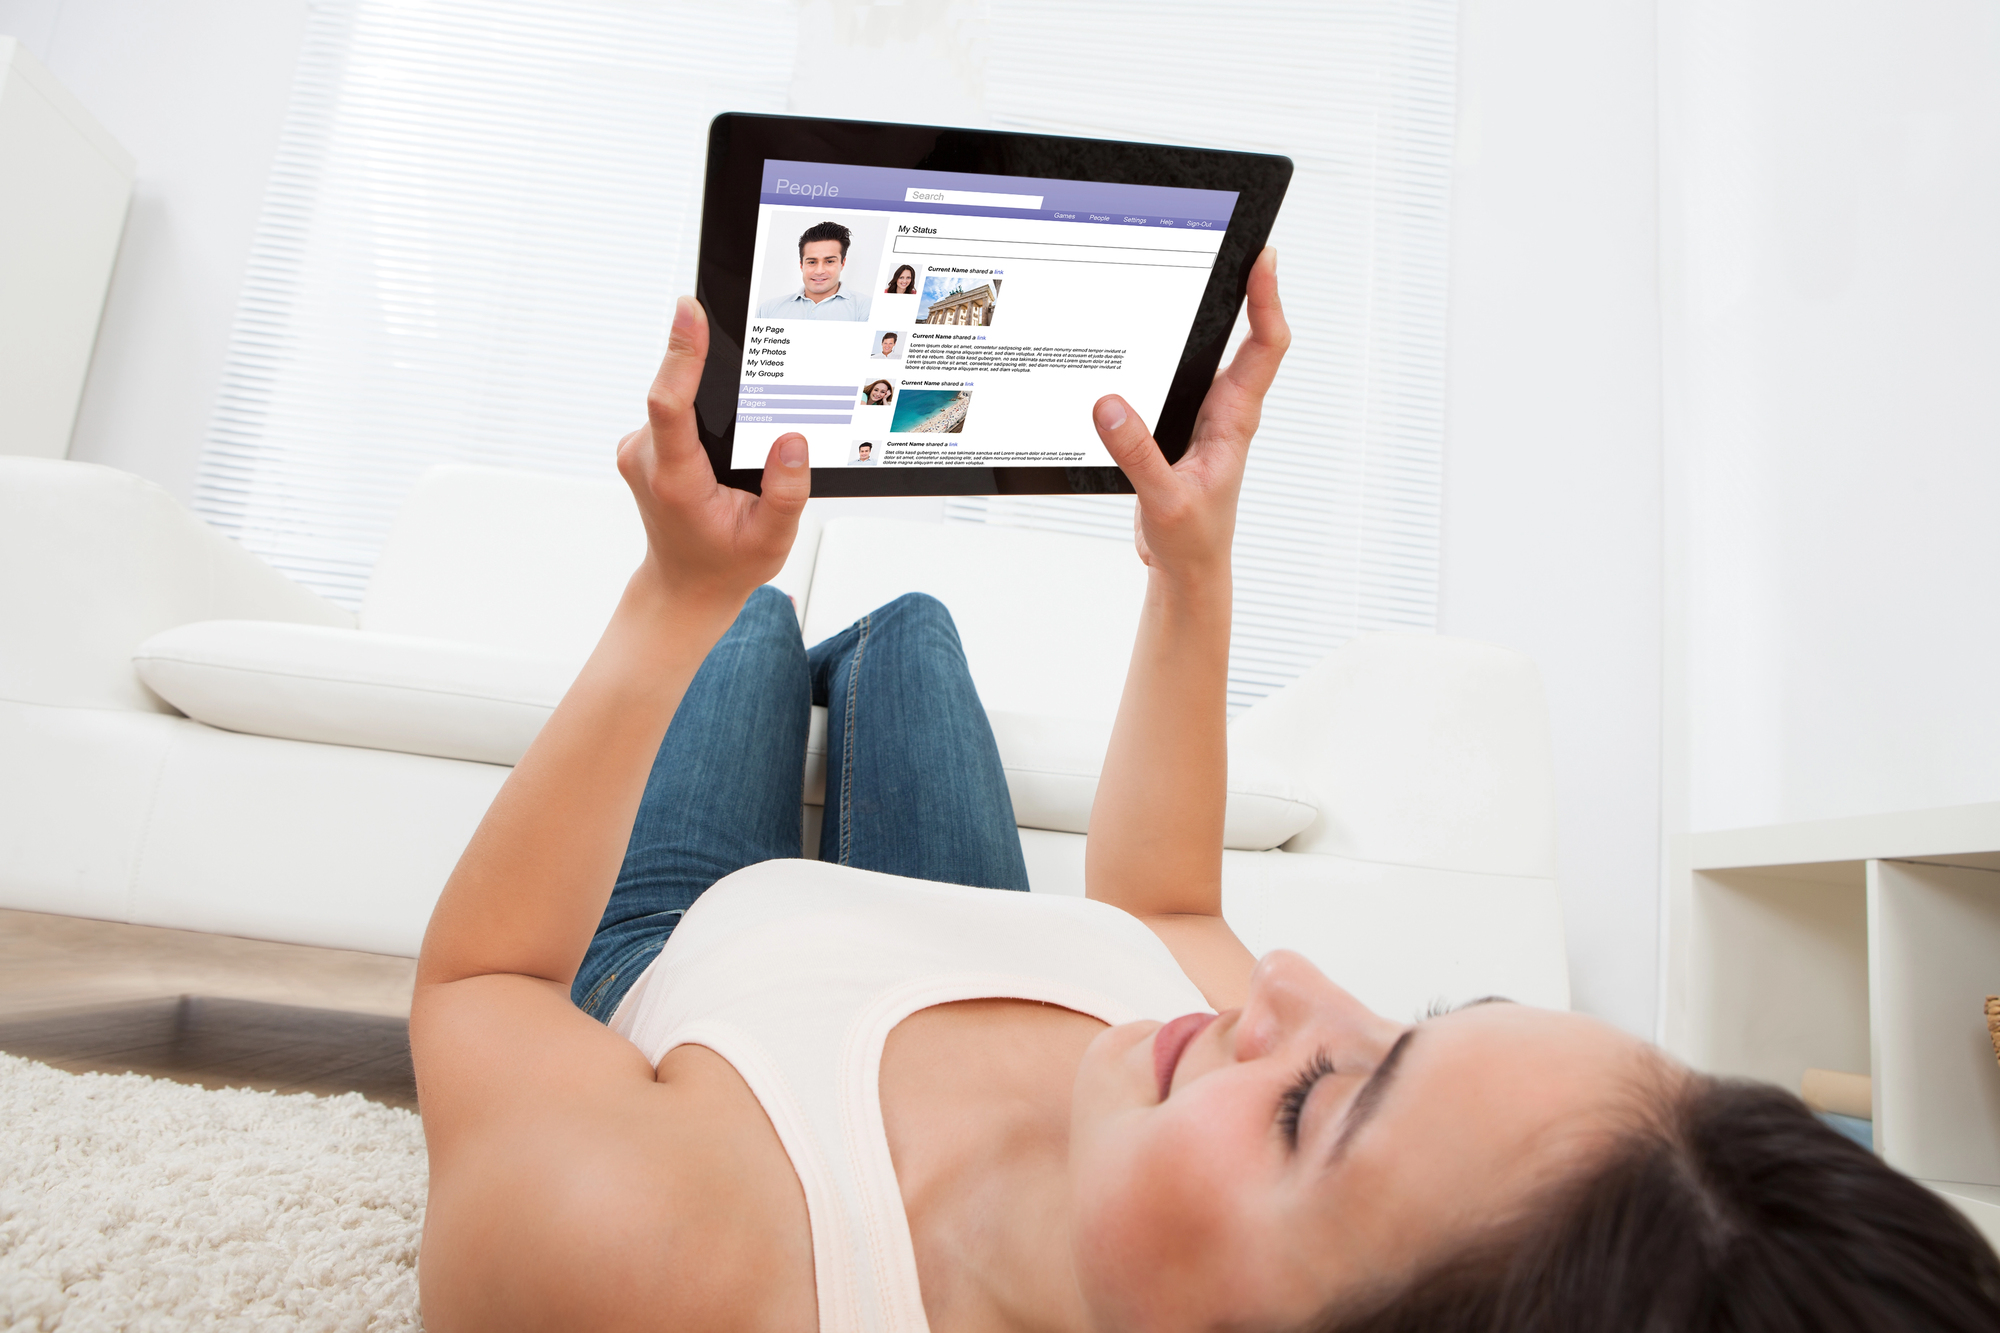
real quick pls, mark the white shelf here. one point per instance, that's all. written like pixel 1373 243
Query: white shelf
pixel 1981 1203
pixel 1856 944
pixel 1958 834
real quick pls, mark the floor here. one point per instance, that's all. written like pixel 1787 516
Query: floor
pixel 205 1009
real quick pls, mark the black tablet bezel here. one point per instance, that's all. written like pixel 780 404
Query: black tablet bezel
pixel 739 144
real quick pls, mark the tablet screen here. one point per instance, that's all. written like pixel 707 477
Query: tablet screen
pixel 924 319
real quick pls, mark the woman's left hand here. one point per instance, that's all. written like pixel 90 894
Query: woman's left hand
pixel 1185 520
pixel 704 539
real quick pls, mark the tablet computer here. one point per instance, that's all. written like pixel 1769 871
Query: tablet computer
pixel 936 310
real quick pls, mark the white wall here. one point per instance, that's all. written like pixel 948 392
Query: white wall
pixel 1832 242
pixel 1552 517
pixel 196 90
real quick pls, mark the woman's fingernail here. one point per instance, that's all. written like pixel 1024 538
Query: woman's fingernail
pixel 1110 414
pixel 792 451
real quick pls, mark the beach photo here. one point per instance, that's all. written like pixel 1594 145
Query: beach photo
pixel 955 298
pixel 931 411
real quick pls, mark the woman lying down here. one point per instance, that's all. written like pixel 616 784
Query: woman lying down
pixel 673 1077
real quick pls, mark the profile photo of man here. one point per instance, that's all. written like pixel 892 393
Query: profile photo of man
pixel 863 455
pixel 887 347
pixel 822 260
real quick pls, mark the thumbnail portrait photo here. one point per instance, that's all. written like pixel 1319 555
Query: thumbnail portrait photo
pixel 902 281
pixel 886 345
pixel 862 454
pixel 954 298
pixel 931 411
pixel 878 393
pixel 814 263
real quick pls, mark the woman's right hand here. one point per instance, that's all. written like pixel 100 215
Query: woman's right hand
pixel 703 539
pixel 1185 521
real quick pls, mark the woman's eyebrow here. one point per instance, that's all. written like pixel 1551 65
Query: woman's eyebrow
pixel 1369 1099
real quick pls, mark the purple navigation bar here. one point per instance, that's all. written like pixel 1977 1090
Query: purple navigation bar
pixel 759 403
pixel 790 419
pixel 752 386
pixel 884 189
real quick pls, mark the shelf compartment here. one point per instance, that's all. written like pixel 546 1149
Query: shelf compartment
pixel 1934 933
pixel 1783 956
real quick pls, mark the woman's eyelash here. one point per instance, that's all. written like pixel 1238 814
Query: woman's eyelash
pixel 1294 1100
pixel 1438 1008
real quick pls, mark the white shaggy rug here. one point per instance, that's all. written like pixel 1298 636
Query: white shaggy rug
pixel 140 1205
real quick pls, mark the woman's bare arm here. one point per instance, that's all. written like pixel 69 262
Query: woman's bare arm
pixel 527 1102
pixel 1155 844
pixel 528 891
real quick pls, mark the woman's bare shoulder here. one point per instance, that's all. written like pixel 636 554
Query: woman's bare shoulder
pixel 571 1187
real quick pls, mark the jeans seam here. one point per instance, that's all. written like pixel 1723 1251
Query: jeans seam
pixel 847 740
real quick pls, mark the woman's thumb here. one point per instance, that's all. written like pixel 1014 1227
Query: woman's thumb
pixel 787 481
pixel 1130 444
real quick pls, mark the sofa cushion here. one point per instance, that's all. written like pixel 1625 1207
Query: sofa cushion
pixel 1052 765
pixel 352 687
pixel 1418 750
pixel 467 701
pixel 521 560
pixel 1047 619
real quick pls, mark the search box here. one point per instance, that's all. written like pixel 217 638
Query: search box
pixel 1061 252
pixel 917 194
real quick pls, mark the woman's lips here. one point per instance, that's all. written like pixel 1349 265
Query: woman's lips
pixel 1170 1041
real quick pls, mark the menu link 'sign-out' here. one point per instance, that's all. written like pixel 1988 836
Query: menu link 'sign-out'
pixel 904 318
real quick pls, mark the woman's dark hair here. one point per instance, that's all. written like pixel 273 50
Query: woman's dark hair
pixel 1735 1211
pixel 889 397
pixel 901 269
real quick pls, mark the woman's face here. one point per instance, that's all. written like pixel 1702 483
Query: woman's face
pixel 903 280
pixel 1308 1149
pixel 878 393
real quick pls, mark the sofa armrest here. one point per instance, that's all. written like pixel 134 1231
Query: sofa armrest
pixel 1402 937
pixel 94 561
pixel 1419 750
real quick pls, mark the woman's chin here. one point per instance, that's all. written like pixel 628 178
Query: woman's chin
pixel 1114 1076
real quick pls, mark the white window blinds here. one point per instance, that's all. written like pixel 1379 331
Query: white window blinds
pixel 480 213
pixel 1338 528
pixel 478 218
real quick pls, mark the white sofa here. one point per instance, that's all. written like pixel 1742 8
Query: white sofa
pixel 1390 812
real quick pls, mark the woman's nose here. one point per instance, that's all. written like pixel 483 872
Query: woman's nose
pixel 1275 1005
pixel 1289 995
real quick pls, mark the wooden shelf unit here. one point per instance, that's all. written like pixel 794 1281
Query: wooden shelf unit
pixel 1854 944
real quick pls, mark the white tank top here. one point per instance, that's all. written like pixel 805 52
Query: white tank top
pixel 795 971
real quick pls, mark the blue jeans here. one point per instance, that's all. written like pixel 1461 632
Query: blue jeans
pixel 913 779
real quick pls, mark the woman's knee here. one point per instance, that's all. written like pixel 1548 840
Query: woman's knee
pixel 917 631
pixel 768 603
pixel 915 610
pixel 767 616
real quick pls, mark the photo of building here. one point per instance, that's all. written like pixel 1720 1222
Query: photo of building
pixel 959 306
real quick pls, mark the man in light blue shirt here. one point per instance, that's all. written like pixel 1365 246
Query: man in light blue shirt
pixel 822 256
